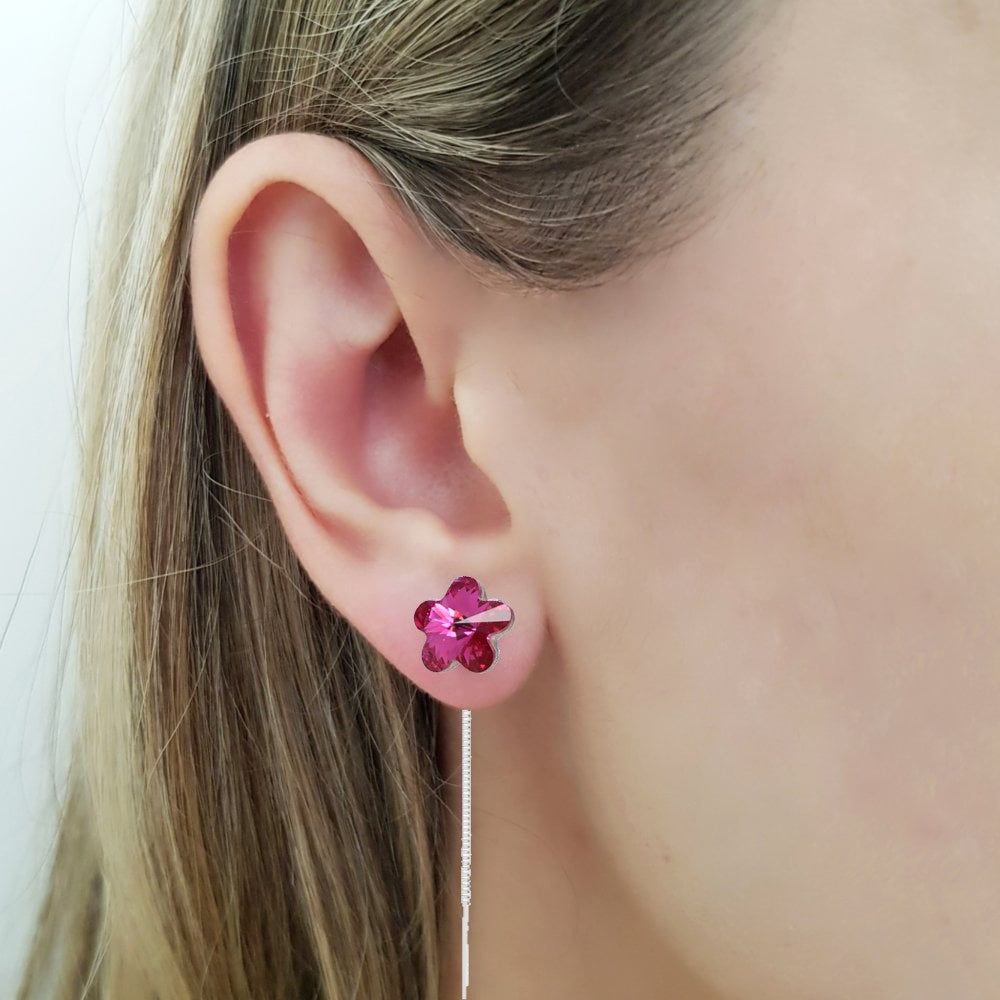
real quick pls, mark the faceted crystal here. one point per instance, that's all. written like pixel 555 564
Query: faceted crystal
pixel 458 627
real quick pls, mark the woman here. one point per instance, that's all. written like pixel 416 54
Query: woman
pixel 671 322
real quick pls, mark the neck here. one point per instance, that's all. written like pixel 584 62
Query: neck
pixel 549 918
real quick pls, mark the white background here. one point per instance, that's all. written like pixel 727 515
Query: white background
pixel 60 62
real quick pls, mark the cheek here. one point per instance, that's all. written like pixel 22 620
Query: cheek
pixel 779 745
pixel 778 593
pixel 813 502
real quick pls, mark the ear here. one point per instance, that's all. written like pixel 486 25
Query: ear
pixel 332 330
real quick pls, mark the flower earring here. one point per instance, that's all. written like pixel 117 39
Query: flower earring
pixel 461 628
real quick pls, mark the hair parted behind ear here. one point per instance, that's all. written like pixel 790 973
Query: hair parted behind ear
pixel 253 802
pixel 550 141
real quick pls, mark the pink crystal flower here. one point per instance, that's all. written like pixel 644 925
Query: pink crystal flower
pixel 459 627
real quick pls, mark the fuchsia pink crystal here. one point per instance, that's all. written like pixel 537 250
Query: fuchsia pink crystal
pixel 459 626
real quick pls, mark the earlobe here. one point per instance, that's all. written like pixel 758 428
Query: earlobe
pixel 316 325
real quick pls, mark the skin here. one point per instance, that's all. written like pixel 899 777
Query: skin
pixel 742 740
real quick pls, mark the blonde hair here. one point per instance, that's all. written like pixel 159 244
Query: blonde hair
pixel 254 803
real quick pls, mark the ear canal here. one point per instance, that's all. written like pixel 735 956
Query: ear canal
pixel 413 450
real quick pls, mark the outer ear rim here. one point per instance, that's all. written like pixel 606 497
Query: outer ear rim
pixel 237 182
